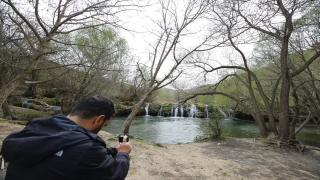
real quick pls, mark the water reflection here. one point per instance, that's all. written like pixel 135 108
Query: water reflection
pixel 173 130
pixel 241 129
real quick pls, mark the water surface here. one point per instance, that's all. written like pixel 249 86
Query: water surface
pixel 174 130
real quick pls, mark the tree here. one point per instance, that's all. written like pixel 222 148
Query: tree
pixel 169 51
pixel 34 25
pixel 244 22
pixel 12 54
pixel 283 34
pixel 101 57
pixel 137 85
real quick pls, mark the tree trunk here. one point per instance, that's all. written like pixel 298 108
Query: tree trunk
pixel 294 123
pixel 258 115
pixel 284 123
pixel 304 123
pixel 8 88
pixel 5 108
pixel 262 125
pixel 31 91
pixel 296 112
pixel 7 112
pixel 127 123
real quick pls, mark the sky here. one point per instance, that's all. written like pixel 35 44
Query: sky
pixel 138 39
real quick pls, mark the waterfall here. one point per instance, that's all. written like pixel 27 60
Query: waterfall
pixel 230 113
pixel 160 111
pixel 171 114
pixel 193 111
pixel 176 111
pixel 181 110
pixel 206 110
pixel 223 113
pixel 147 109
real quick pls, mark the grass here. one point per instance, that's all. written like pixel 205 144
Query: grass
pixel 147 142
pixel 14 121
pixel 158 145
pixel 267 141
pixel 140 140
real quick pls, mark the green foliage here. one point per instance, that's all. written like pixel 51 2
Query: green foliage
pixel 118 105
pixel 166 107
pixel 212 128
pixel 222 100
pixel 165 95
pixel 96 44
pixel 207 99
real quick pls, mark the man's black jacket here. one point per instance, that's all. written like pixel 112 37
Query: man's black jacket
pixel 56 148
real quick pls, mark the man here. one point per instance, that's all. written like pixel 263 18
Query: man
pixel 60 147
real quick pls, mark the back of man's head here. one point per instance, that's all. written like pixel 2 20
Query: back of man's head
pixel 93 106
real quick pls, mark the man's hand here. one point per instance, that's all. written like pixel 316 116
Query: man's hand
pixel 124 146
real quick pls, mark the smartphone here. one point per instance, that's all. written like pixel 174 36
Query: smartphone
pixel 121 138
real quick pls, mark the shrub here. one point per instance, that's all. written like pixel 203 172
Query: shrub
pixel 212 128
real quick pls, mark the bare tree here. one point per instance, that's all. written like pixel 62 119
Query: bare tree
pixel 169 52
pixel 245 22
pixel 138 85
pixel 35 24
pixel 283 33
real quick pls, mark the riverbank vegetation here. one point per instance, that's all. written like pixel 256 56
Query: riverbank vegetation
pixel 80 51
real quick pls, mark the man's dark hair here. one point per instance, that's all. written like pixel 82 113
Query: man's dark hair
pixel 93 106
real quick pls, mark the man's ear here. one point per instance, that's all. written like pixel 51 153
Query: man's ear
pixel 99 120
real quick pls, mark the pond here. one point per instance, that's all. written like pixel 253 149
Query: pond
pixel 173 130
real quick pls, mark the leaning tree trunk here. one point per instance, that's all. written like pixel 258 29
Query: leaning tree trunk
pixel 7 112
pixel 304 123
pixel 5 108
pixel 9 87
pixel 127 123
pixel 261 124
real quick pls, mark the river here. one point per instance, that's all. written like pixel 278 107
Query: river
pixel 173 130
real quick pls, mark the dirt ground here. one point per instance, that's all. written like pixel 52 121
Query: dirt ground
pixel 226 159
